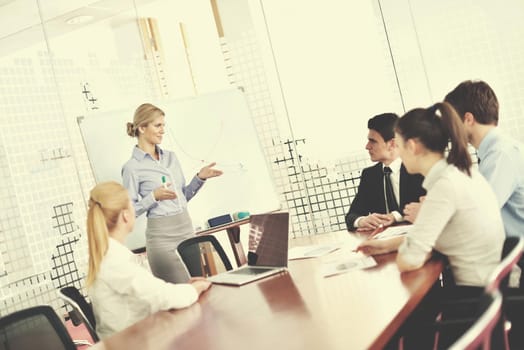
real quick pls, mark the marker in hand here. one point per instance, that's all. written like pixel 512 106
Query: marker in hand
pixel 164 183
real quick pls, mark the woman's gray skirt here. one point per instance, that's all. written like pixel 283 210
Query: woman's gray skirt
pixel 163 235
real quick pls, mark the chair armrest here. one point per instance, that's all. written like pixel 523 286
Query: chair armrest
pixel 463 301
pixel 515 298
pixel 457 309
pixel 75 318
pixel 443 324
pixel 82 342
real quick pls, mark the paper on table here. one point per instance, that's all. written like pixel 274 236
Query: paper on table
pixel 311 251
pixel 356 263
pixel 393 231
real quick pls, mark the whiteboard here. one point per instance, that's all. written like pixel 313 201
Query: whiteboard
pixel 212 127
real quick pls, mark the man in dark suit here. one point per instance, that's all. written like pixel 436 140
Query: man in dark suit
pixel 386 187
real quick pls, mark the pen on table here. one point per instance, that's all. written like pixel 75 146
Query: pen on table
pixel 376 231
pixel 164 182
pixel 379 229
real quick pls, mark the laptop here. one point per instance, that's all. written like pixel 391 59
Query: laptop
pixel 267 250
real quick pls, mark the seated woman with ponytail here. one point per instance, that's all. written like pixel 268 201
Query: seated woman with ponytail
pixel 123 292
pixel 459 217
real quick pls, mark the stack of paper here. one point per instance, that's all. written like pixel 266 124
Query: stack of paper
pixel 355 263
pixel 311 251
pixel 393 231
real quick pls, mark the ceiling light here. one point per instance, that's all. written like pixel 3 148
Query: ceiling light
pixel 79 19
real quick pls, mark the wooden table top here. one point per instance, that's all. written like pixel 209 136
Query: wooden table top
pixel 297 309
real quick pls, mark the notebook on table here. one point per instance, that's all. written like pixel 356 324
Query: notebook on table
pixel 268 248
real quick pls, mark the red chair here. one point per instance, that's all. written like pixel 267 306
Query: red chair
pixel 82 311
pixel 498 280
pixel 511 254
pixel 479 335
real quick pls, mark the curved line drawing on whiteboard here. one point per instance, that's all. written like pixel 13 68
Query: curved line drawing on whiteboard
pixel 208 152
pixel 207 155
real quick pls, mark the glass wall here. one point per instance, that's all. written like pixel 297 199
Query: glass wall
pixel 32 156
pixel 313 74
pixel 438 45
pixel 62 61
pixel 330 66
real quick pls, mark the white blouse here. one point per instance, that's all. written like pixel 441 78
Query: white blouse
pixel 461 219
pixel 124 292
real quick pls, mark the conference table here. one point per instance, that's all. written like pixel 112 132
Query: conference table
pixel 296 309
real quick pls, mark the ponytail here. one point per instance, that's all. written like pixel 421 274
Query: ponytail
pixel 131 130
pixel 106 202
pixel 458 154
pixel 435 131
pixel 97 238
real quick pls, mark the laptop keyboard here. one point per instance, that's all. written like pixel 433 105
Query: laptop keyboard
pixel 250 271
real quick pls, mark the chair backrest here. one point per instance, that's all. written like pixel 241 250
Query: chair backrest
pixel 479 334
pixel 511 253
pixel 193 253
pixel 36 327
pixel 73 297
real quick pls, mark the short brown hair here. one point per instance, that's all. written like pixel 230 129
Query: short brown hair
pixel 476 97
pixel 384 125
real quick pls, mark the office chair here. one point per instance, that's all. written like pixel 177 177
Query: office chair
pixel 499 280
pixel 36 327
pixel 513 308
pixel 82 308
pixel 511 254
pixel 512 251
pixel 199 258
pixel 479 334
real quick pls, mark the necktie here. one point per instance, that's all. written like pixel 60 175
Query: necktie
pixel 391 203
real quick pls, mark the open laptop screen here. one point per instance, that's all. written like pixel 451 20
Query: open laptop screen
pixel 268 240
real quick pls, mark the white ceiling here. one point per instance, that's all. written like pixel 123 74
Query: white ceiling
pixel 19 15
pixel 21 20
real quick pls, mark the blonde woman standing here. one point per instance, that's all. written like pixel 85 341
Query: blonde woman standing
pixel 157 187
pixel 123 292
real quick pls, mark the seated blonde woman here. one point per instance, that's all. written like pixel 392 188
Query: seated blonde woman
pixel 123 292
